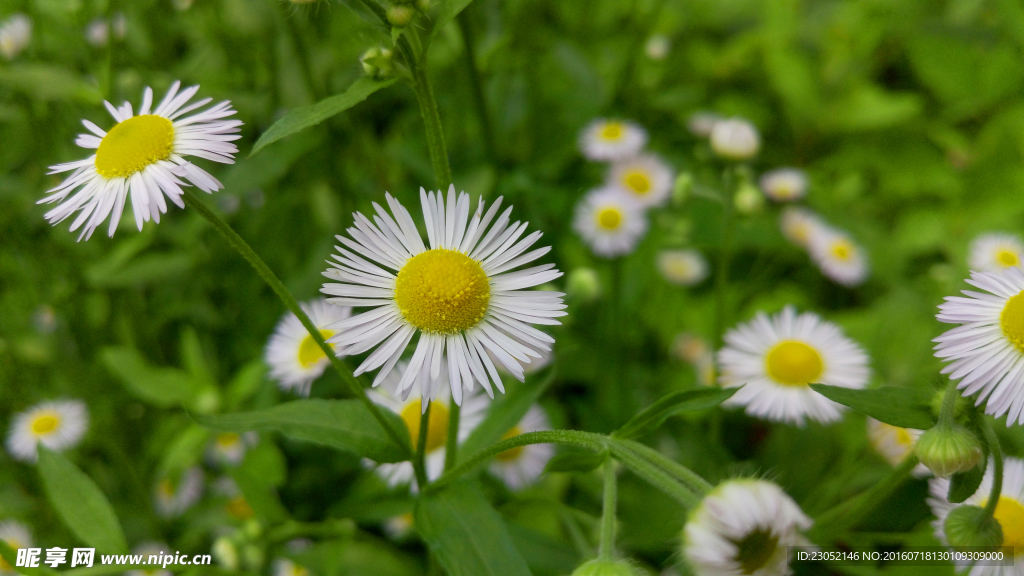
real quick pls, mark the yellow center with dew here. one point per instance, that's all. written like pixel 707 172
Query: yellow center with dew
pixel 1011 320
pixel 133 145
pixel 442 291
pixel 612 131
pixel 511 454
pixel 794 363
pixel 1010 515
pixel 1007 258
pixel 228 439
pixel 609 218
pixel 637 182
pixel 843 250
pixel 437 428
pixel 45 424
pixel 310 352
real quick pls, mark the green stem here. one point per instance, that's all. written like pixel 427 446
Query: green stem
pixel 947 411
pixel 724 256
pixel 432 124
pixel 681 473
pixel 421 447
pixel 606 547
pixel 451 449
pixel 850 512
pixel 997 478
pixel 655 476
pixel 243 248
pixel 480 103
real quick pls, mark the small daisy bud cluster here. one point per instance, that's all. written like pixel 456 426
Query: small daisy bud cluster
pixel 377 63
pixel 947 449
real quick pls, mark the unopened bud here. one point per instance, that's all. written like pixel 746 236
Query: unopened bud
pixel 424 5
pixel 682 188
pixel 969 526
pixel 400 16
pixel 583 284
pixel 225 552
pixel 605 568
pixel 948 449
pixel 735 139
pixel 377 63
pixel 748 199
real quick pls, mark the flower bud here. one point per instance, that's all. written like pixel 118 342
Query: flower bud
pixel 599 567
pixel 948 449
pixel 583 284
pixel 735 139
pixel 225 552
pixel 400 16
pixel 424 5
pixel 682 188
pixel 748 199
pixel 701 123
pixel 377 63
pixel 967 526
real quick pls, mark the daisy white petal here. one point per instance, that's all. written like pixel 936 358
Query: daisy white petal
pixel 610 222
pixel 645 178
pixel 58 425
pixel 800 226
pixel 294 358
pixel 605 139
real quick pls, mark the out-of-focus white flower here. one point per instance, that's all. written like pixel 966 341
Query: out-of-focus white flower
pixel 800 226
pixel 657 47
pixel 683 267
pixel 15 34
pixel 58 425
pixel 784 184
pixel 735 139
pixel 607 140
pixel 175 495
pixel 839 257
pixel 16 535
pixel 610 222
pixel 894 443
pixel 230 448
pixel 701 123
pixel 521 466
pixel 295 359
pixel 645 178
pixel 97 33
pixel 994 251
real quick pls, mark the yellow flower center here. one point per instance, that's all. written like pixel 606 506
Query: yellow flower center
pixel 1012 320
pixel 1007 258
pixel 637 182
pixel 612 131
pixel 45 424
pixel 609 218
pixel 511 454
pixel 793 363
pixel 310 352
pixel 437 429
pixel 228 439
pixel 299 570
pixel 903 437
pixel 843 250
pixel 1010 515
pixel 166 488
pixel 134 144
pixel 442 291
pixel 238 508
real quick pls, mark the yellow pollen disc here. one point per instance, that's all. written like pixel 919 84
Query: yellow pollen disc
pixel 132 145
pixel 238 508
pixel 511 454
pixel 1007 258
pixel 612 131
pixel 609 218
pixel 442 291
pixel 793 363
pixel 1010 515
pixel 310 352
pixel 1011 320
pixel 45 424
pixel 843 250
pixel 903 437
pixel 228 439
pixel 638 182
pixel 437 429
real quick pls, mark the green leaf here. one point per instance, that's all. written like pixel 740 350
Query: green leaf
pixel 184 451
pixel 163 387
pixel 342 424
pixel 466 534
pixel 963 485
pixel 194 359
pixel 899 406
pixel 80 503
pixel 11 556
pixel 306 116
pixel 575 461
pixel 49 83
pixel 260 495
pixel 505 412
pixel 688 400
pixel 446 12
pixel 245 383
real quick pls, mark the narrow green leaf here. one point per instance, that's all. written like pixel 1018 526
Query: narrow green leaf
pixel 244 384
pixel 260 495
pixel 575 461
pixel 342 424
pixel 688 400
pixel 306 116
pixel 163 387
pixel 963 485
pixel 446 12
pixel 505 412
pixel 899 406
pixel 466 534
pixel 194 359
pixel 80 503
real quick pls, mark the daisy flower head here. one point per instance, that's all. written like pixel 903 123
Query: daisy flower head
pixel 406 402
pixel 894 443
pixel 286 567
pixel 1009 512
pixel 774 359
pixel 399 527
pixel 611 222
pixel 16 535
pixel 839 257
pixel 605 139
pixel 150 553
pixel 800 226
pixel 645 178
pixel 986 352
pixel 702 122
pixel 173 496
pixel 521 466
pixel 683 267
pixel 690 347
pixel 143 156
pixel 735 139
pixel 743 526
pixel 784 184
pixel 995 251
pixel 294 358
pixel 230 448
pixel 15 34
pixel 58 425
pixel 462 296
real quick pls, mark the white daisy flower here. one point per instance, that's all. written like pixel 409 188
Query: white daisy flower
pixel 784 184
pixel 176 495
pixel 294 358
pixel 97 33
pixel 286 567
pixel 399 527
pixel 735 139
pixel 645 178
pixel 775 358
pixel 800 226
pixel 605 139
pixel 995 251
pixel 895 443
pixel 143 155
pixel 538 364
pixel 683 267
pixel 406 403
pixel 521 466
pixel 15 34
pixel 230 448
pixel 1009 513
pixel 986 353
pixel 690 347
pixel 701 123
pixel 462 294
pixel 657 47
pixel 58 425
pixel 706 370
pixel 743 526
pixel 839 258
pixel 610 222
pixel 16 535
pixel 151 554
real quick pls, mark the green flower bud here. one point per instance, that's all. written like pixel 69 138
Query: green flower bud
pixel 583 284
pixel 423 5
pixel 605 568
pixel 682 188
pixel 748 199
pixel 377 63
pixel 225 552
pixel 400 16
pixel 964 527
pixel 948 449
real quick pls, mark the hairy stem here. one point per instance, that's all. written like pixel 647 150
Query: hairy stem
pixel 480 103
pixel 451 449
pixel 724 256
pixel 421 448
pixel 432 124
pixel 607 544
pixel 997 477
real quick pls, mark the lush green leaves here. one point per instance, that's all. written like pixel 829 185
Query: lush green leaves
pixel 342 424
pixel 687 400
pixel 906 407
pixel 164 387
pixel 80 503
